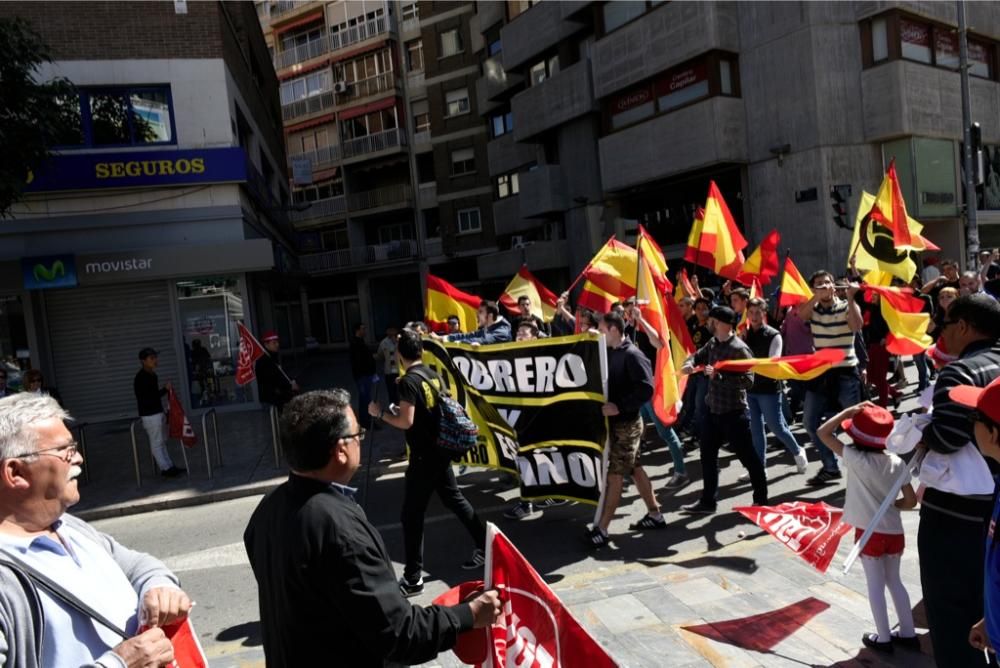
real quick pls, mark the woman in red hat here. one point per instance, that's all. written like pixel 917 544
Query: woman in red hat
pixel 872 472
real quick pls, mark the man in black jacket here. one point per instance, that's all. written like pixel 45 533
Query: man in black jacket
pixel 275 387
pixel 328 595
pixel 630 385
pixel 363 371
pixel 149 401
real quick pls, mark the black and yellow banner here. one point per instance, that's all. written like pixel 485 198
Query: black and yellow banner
pixel 538 408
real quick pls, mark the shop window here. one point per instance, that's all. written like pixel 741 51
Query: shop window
pixel 415 55
pixel 209 310
pixel 136 116
pixel 946 49
pixel 450 43
pixel 981 59
pixel 507 185
pixel 502 123
pixel 682 87
pixel 456 102
pixel 469 221
pixel 463 161
pixel 988 194
pixel 71 125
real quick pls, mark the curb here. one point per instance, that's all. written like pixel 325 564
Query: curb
pixel 178 500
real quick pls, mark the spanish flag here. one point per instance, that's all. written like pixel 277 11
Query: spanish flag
pixel 873 244
pixel 694 253
pixel 890 210
pixel 684 287
pixel 614 269
pixel 762 265
pixel 794 289
pixel 791 367
pixel 903 312
pixel 596 299
pixel 524 284
pixel 718 245
pixel 444 299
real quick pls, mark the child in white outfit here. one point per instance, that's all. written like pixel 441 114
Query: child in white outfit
pixel 871 474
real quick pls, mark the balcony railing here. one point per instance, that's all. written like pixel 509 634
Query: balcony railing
pixel 365 87
pixel 307 105
pixel 433 247
pixel 373 199
pixel 394 251
pixel 283 7
pixel 379 141
pixel 300 54
pixel 422 137
pixel 358 33
pixel 321 157
pixel 323 208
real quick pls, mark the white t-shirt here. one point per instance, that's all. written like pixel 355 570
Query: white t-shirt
pixel 870 476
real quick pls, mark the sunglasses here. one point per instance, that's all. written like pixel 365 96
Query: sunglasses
pixel 63 452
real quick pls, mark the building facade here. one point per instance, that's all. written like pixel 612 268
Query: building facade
pixel 160 221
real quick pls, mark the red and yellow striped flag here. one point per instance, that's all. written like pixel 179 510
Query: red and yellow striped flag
pixel 791 367
pixel 443 299
pixel 762 265
pixel 903 312
pixel 890 210
pixel 719 240
pixel 694 253
pixel 794 289
pixel 524 284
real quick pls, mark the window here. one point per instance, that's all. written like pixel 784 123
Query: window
pixel 456 102
pixel 319 191
pixel 336 238
pixel 507 185
pixel 980 59
pixel 494 48
pixel 463 161
pixel 946 49
pixel 411 11
pixel 517 7
pixel 916 40
pixel 617 14
pixel 681 87
pixel 421 117
pixel 468 221
pixel 880 40
pixel 432 223
pixel 397 232
pixel 542 70
pixel 291 41
pixel 502 123
pixel 450 43
pixel 307 86
pixel 415 55
pixel 117 117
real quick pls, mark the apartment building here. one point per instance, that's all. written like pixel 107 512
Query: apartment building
pixel 605 115
pixel 160 221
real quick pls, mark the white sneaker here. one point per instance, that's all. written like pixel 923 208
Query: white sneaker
pixel 745 477
pixel 801 462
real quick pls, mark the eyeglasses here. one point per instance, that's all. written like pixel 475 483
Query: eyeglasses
pixel 360 435
pixel 63 452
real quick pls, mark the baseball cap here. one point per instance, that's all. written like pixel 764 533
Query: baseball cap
pixel 986 400
pixel 723 314
pixel 269 335
pixel 147 352
pixel 870 427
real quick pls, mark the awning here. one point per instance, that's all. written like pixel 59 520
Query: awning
pixel 340 57
pixel 301 21
pixel 304 125
pixel 312 67
pixel 367 108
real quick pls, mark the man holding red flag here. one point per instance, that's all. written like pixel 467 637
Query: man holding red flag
pixel 275 387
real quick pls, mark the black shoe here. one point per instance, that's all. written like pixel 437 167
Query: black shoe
pixel 477 560
pixel 824 477
pixel 597 538
pixel 173 472
pixel 698 508
pixel 911 643
pixel 411 588
pixel 647 523
pixel 870 640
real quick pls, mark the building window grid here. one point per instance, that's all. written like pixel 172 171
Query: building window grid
pixel 543 69
pixel 319 191
pixel 456 102
pixel 507 185
pixel 133 103
pixel 469 221
pixel 450 43
pixel 615 14
pixel 463 161
pixel 415 55
pixel 501 124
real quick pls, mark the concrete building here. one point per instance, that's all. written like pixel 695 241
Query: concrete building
pixel 160 221
pixel 611 114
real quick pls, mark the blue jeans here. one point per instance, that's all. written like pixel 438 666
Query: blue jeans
pixel 766 408
pixel 366 392
pixel 667 435
pixel 819 406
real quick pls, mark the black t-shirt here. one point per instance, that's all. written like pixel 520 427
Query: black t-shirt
pixel 700 334
pixel 420 386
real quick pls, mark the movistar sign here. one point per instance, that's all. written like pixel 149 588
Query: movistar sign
pixel 52 271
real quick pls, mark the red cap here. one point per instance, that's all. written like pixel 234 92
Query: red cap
pixel 269 335
pixel 473 646
pixel 986 400
pixel 870 427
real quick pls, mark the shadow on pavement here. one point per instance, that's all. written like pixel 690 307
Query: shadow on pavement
pixel 249 632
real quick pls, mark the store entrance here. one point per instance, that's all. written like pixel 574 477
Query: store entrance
pixel 15 354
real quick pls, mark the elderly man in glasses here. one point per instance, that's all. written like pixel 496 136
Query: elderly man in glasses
pixel 39 467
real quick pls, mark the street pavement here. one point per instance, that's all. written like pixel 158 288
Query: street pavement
pixel 655 599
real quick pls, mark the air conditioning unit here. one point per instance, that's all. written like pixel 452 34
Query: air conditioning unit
pixel 340 87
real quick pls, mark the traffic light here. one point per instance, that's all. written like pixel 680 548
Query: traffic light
pixel 839 196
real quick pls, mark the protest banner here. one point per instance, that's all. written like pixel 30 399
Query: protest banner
pixel 811 530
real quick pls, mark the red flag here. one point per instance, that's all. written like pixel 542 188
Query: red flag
pixel 250 352
pixel 794 289
pixel 811 530
pixel 179 426
pixel 187 650
pixel 534 629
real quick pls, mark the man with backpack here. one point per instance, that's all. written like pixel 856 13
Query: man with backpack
pixel 420 415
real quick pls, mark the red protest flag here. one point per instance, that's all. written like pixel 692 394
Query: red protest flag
pixel 811 530
pixel 534 627
pixel 188 652
pixel 250 352
pixel 178 423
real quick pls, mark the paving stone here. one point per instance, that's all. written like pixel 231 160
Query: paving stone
pixel 623 613
pixel 698 591
pixel 666 606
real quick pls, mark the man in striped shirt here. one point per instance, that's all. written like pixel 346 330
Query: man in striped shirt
pixel 952 526
pixel 834 323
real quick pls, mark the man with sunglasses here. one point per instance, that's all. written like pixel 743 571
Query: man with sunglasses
pixel 328 594
pixel 39 467
pixel 952 525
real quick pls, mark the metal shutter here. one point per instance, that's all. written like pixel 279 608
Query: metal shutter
pixel 95 335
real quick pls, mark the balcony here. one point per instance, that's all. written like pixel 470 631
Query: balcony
pixel 539 255
pixel 301 54
pixel 286 10
pixel 709 132
pixel 507 217
pixel 373 143
pixel 409 28
pixel 422 138
pixel 307 106
pixel 321 210
pixel 395 251
pixel 662 39
pixel 503 154
pixel 526 38
pixel 495 82
pixel 427 195
pixel 321 158
pixel 542 191
pixel 359 33
pixel 389 197
pixel 433 247
pixel 567 95
pixel 572 9
pixel 490 13
pixel 357 90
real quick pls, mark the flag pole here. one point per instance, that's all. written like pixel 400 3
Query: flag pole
pixel 587 268
pixel 781 283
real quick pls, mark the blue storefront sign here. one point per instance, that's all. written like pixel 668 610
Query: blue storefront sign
pixel 50 271
pixel 89 171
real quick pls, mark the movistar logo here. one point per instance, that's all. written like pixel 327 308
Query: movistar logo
pixel 48 274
